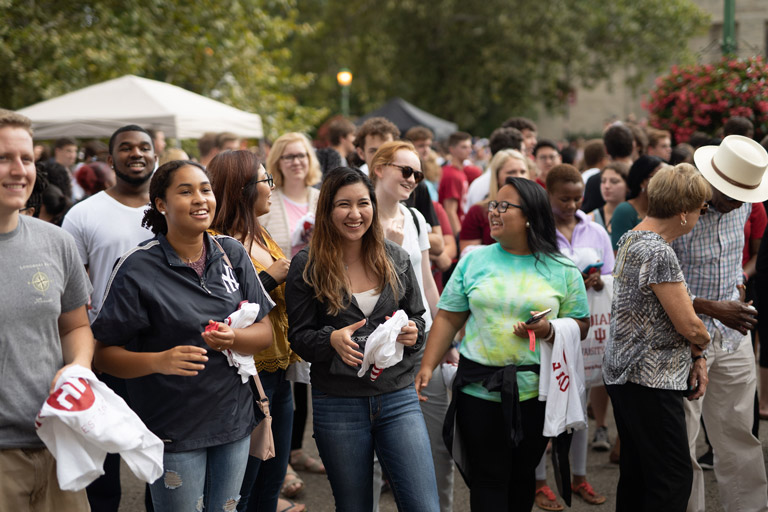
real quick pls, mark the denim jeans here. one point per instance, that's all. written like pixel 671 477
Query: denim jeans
pixel 264 479
pixel 204 479
pixel 348 430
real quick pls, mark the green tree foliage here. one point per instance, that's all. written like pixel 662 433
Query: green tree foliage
pixel 236 51
pixel 477 62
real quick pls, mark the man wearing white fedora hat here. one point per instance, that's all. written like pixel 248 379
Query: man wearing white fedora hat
pixel 710 257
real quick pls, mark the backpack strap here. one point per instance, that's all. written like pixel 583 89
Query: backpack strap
pixel 415 221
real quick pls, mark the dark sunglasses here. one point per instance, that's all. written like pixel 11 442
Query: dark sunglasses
pixel 502 206
pixel 408 171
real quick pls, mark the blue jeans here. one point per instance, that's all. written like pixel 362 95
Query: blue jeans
pixel 204 479
pixel 348 430
pixel 264 479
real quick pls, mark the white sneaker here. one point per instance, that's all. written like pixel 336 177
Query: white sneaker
pixel 601 442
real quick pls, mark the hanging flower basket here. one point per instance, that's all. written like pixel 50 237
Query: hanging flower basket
pixel 703 97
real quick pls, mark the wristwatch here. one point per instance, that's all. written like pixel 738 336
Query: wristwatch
pixel 700 356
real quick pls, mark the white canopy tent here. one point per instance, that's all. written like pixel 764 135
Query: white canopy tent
pixel 98 110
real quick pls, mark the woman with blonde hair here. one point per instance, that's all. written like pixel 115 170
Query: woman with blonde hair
pixel 654 357
pixel 339 289
pixel 295 169
pixel 475 229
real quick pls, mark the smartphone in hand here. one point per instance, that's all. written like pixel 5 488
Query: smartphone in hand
pixel 591 269
pixel 538 316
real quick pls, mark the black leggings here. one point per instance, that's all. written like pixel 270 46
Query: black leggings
pixel 503 478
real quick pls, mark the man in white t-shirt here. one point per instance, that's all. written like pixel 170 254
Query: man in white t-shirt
pixel 106 226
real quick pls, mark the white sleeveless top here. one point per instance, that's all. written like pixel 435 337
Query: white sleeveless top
pixel 367 300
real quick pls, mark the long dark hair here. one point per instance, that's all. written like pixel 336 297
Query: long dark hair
pixel 325 269
pixel 161 180
pixel 233 179
pixel 541 232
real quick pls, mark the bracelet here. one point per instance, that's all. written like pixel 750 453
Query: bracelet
pixel 551 334
pixel 700 356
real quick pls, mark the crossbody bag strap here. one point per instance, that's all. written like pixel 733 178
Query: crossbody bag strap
pixel 226 258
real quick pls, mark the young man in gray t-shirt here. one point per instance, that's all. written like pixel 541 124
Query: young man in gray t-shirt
pixel 44 327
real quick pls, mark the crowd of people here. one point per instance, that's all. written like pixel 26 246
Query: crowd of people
pixel 495 259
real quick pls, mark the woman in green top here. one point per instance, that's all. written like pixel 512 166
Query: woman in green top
pixel 494 289
pixel 629 214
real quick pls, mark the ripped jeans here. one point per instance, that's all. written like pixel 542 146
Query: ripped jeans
pixel 206 479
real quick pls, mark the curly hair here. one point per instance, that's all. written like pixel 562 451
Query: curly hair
pixel 161 180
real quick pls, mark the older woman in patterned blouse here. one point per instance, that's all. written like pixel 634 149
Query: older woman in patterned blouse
pixel 655 354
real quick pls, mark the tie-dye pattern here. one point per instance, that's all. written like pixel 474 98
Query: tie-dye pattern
pixel 500 289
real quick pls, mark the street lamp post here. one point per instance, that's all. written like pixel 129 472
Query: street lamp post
pixel 344 78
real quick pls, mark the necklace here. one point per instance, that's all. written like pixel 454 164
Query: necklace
pixel 346 265
pixel 191 260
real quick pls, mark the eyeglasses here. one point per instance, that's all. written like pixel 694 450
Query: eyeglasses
pixel 268 180
pixel 502 206
pixel 408 171
pixel 297 156
pixel 704 209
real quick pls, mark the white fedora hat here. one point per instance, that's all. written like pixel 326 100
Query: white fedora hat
pixel 736 168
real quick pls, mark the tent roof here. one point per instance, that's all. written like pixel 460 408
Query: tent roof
pixel 98 110
pixel 405 116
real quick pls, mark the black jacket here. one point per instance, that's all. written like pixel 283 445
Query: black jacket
pixel 155 302
pixel 310 328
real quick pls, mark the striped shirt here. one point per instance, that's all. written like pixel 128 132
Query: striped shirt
pixel 710 257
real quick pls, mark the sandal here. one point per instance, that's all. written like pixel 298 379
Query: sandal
pixel 588 494
pixel 284 505
pixel 292 483
pixel 304 462
pixel 545 499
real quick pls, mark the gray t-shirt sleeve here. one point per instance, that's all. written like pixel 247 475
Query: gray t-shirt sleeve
pixel 77 287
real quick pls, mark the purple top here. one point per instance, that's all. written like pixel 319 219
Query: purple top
pixel 590 244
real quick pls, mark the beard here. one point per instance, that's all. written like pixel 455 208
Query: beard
pixel 133 180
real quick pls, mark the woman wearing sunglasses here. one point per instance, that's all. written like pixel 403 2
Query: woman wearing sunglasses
pixel 339 290
pixel 396 172
pixel 243 192
pixel 495 289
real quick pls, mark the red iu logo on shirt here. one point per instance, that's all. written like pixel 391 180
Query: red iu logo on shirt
pixel 74 395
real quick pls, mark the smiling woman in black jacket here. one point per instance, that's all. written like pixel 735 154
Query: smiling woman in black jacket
pixel 339 289
pixel 154 329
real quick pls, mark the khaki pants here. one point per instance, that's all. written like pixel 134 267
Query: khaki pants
pixel 728 413
pixel 28 483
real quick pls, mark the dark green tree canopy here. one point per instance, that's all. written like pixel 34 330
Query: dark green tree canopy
pixel 479 62
pixel 235 51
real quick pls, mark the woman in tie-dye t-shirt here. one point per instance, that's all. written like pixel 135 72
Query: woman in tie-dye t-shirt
pixel 494 289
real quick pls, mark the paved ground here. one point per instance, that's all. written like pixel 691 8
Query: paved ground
pixel 317 492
